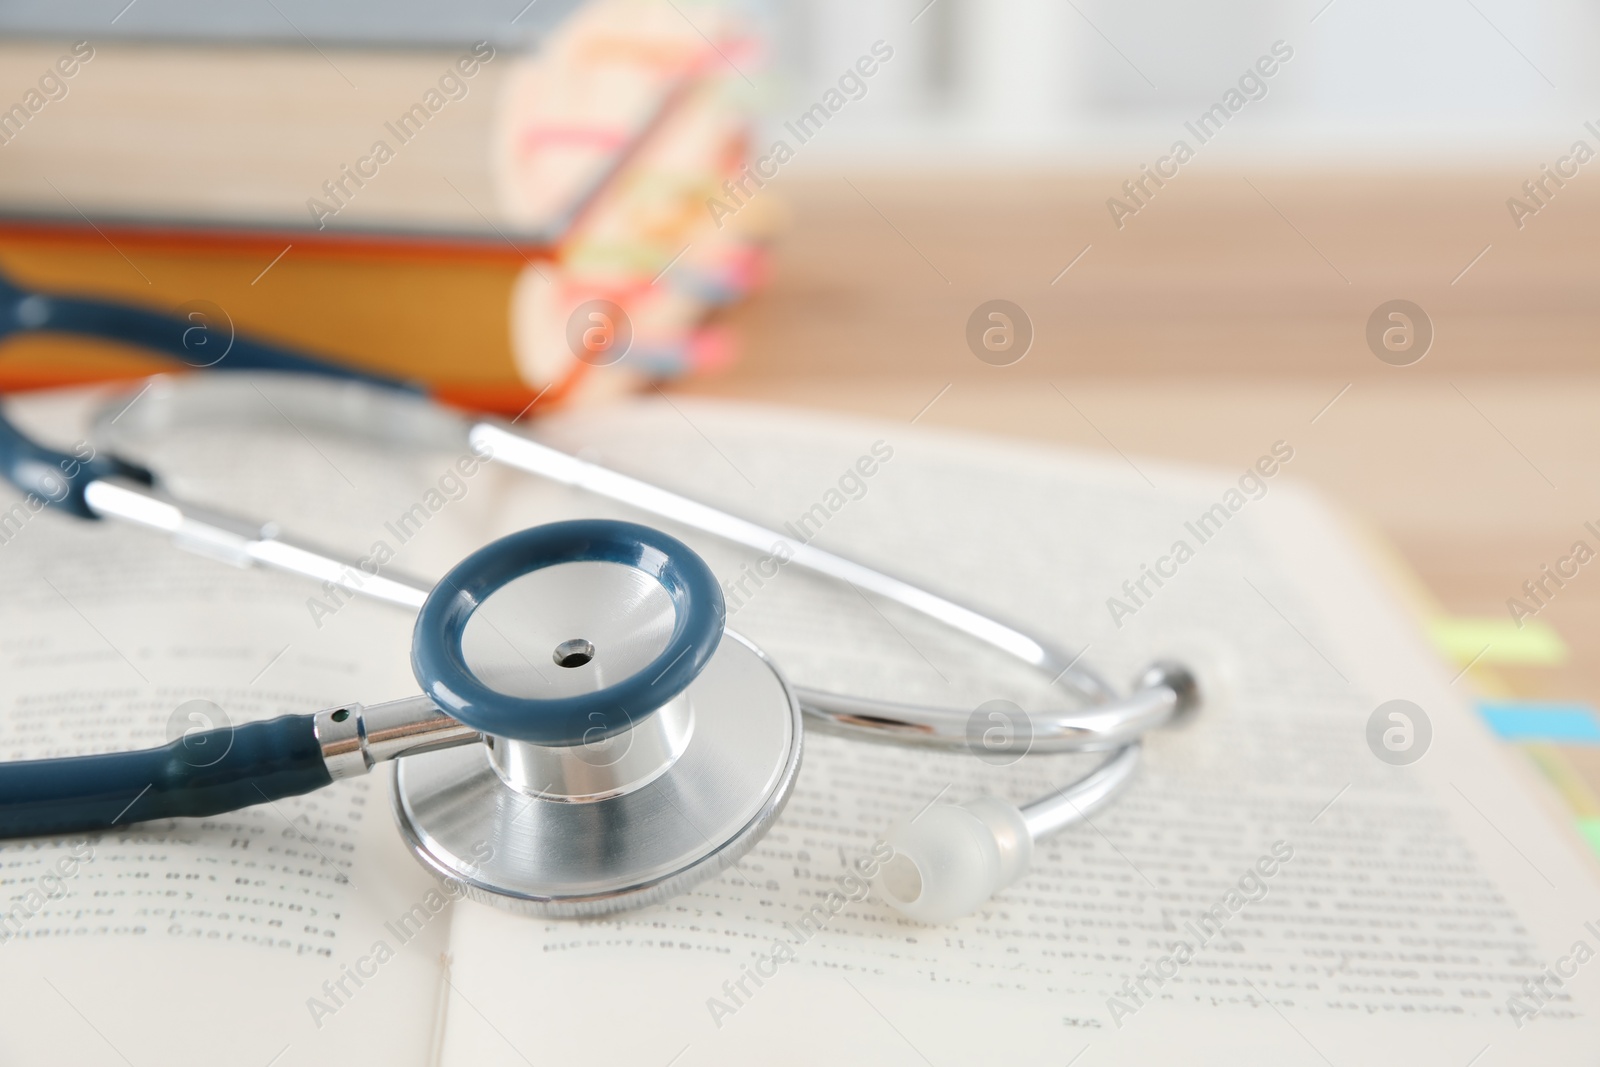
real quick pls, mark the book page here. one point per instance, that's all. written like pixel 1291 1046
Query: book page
pixel 292 932
pixel 1268 890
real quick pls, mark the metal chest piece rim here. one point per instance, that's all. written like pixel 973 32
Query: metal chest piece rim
pixel 662 807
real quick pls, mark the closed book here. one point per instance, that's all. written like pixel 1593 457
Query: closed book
pixel 375 205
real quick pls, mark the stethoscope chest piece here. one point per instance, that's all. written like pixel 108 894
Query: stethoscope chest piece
pixel 632 747
pixel 589 737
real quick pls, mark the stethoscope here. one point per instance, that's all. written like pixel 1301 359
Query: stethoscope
pixel 589 737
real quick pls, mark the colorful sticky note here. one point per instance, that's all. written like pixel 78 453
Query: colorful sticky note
pixel 1590 829
pixel 1468 639
pixel 1535 720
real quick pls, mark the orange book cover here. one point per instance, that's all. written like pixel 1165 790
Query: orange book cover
pixel 431 310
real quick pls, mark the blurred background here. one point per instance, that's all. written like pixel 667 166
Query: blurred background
pixel 1338 155
pixel 1030 81
pixel 1385 160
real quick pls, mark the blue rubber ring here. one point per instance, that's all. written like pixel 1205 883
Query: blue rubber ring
pixel 441 668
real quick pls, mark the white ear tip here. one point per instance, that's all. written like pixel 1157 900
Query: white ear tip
pixel 900 881
pixel 949 860
pixel 940 869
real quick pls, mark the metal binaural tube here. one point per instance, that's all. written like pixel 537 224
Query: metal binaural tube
pixel 1091 729
pixel 243 542
pixel 1074 803
pixel 534 458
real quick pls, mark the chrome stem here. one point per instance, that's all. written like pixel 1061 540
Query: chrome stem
pixel 354 738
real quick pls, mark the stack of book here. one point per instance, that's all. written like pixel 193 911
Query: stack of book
pixel 500 219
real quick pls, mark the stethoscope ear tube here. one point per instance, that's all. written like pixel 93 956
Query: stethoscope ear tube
pixel 191 339
pixel 203 773
pixel 54 478
pixel 1165 691
pixel 57 478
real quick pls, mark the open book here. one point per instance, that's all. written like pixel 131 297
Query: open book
pixel 1270 890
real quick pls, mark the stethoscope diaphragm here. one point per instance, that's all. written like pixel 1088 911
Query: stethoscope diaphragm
pixel 632 747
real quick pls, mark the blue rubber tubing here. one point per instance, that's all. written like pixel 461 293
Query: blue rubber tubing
pixel 259 761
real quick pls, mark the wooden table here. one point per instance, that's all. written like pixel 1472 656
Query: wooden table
pixel 1228 313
